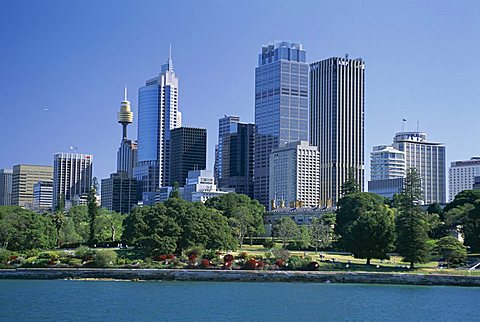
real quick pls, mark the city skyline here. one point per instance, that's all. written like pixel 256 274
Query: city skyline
pixel 413 83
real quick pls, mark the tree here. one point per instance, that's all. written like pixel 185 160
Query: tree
pixel 411 194
pixel 286 229
pixel 241 221
pixel 303 238
pixel 59 220
pixel 462 198
pixel 372 234
pixel 175 191
pixel 92 211
pixel 351 206
pixel 412 236
pixel 351 185
pixel 321 231
pixel 22 229
pixel 452 251
pixel 228 205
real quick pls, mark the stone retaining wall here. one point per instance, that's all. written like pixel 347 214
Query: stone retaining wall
pixel 236 275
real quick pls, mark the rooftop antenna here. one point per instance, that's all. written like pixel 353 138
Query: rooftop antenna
pixel 403 124
pixel 418 126
pixel 125 94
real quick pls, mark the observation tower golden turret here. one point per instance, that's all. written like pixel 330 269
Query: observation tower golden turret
pixel 125 116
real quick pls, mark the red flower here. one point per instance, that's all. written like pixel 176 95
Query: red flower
pixel 228 264
pixel 192 257
pixel 313 266
pixel 280 262
pixel 228 258
pixel 206 262
pixel 251 264
pixel 170 256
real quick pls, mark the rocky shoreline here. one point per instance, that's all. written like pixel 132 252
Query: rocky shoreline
pixel 239 276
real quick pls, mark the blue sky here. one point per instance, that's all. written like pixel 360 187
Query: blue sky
pixel 74 57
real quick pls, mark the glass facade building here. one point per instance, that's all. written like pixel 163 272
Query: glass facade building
pixel 281 106
pixel 157 115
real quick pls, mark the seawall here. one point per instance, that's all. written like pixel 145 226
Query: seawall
pixel 239 276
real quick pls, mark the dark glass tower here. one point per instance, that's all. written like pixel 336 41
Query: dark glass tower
pixel 281 106
pixel 188 151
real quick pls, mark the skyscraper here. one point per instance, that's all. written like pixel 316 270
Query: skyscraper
pixel 281 106
pixel 43 195
pixel 24 177
pixel 461 176
pixel 6 176
pixel 429 160
pixel 337 108
pixel 72 176
pixel 223 129
pixel 157 115
pixel 119 193
pixel 387 171
pixel 127 153
pixel 237 158
pixel 294 175
pixel 189 152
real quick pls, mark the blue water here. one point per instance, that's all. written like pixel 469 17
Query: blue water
pixel 37 300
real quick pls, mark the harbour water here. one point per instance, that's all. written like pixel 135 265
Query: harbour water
pixel 79 300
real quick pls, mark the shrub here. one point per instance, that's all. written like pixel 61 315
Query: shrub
pixel 210 254
pixel 5 255
pixel 313 266
pixel 105 258
pixel 196 251
pixel 280 253
pixel 228 258
pixel 269 243
pixel 83 251
pixel 52 255
pixel 297 263
pixel 250 264
pixel 206 263
pixel 243 255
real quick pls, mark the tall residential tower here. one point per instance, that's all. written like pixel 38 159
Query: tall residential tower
pixel 281 106
pixel 337 95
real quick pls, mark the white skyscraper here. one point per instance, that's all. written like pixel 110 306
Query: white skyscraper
pixel 462 175
pixel 429 160
pixel 293 178
pixel 387 170
pixel 158 114
pixel 337 94
pixel 72 176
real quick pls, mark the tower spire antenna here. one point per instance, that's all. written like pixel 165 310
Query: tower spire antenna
pixel 125 94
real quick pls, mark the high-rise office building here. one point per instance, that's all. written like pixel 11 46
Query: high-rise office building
pixel 294 176
pixel 223 129
pixel 119 193
pixel 43 195
pixel 237 158
pixel 281 106
pixel 24 177
pixel 200 186
pixel 188 152
pixel 72 176
pixel 387 171
pixel 461 176
pixel 158 114
pixel 337 107
pixel 127 153
pixel 6 176
pixel 429 160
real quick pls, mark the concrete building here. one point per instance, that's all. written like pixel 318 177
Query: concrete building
pixel 200 186
pixel 301 215
pixel 158 114
pixel 281 106
pixel 461 176
pixel 294 178
pixel 387 171
pixel 72 176
pixel 164 193
pixel 127 153
pixel 429 160
pixel 188 149
pixel 337 106
pixel 6 177
pixel 23 179
pixel 43 195
pixel 119 193
pixel 236 160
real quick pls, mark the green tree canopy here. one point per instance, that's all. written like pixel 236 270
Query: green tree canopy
pixel 22 229
pixel 372 234
pixel 462 198
pixel 351 206
pixel 321 231
pixel 452 251
pixel 412 236
pixel 351 185
pixel 286 229
pixel 411 194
